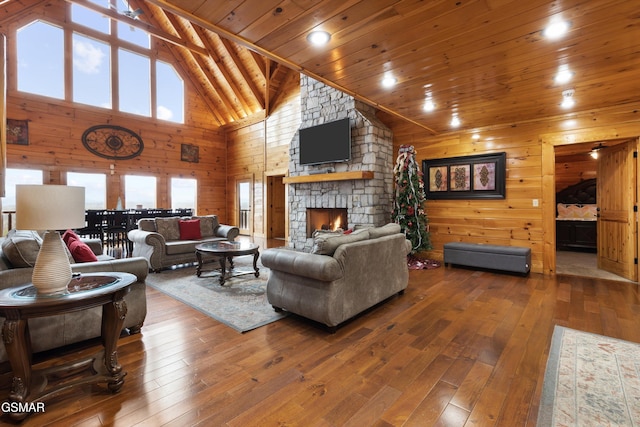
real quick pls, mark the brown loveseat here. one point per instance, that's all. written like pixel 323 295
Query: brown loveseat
pixel 345 275
pixel 165 242
pixel 18 252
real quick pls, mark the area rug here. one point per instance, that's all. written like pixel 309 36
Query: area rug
pixel 590 380
pixel 241 303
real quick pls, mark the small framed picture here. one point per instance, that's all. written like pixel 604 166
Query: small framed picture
pixel 189 153
pixel 17 132
pixel 460 177
pixel 438 178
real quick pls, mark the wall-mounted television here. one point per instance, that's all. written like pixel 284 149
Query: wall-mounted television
pixel 326 143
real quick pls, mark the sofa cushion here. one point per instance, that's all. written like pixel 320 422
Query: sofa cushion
pixel 208 224
pixel 81 252
pixel 190 229
pixel 69 236
pixel 147 224
pixel 21 248
pixel 385 230
pixel 327 243
pixel 169 227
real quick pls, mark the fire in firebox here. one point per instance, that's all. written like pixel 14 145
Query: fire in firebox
pixel 326 219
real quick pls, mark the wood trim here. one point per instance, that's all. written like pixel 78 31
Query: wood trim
pixel 324 177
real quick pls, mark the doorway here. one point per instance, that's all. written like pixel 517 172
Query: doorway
pixel 276 207
pixel 245 216
pixel 611 253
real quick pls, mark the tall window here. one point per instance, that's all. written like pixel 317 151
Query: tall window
pixel 44 53
pixel 135 87
pixel 170 101
pixel 184 193
pixel 91 71
pixel 139 191
pixel 95 184
pixel 41 59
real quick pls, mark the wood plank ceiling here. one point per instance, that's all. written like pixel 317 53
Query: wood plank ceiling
pixel 486 61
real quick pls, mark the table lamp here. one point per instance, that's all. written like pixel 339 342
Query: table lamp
pixel 50 208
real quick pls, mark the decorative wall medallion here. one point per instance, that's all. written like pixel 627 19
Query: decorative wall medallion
pixel 112 142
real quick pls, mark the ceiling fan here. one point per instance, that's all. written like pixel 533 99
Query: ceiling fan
pixel 133 14
pixel 128 12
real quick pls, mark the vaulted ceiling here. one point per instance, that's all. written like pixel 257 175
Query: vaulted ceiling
pixel 486 61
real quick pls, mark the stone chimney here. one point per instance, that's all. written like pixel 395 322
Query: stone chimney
pixel 368 201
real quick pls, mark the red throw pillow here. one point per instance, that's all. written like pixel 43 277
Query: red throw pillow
pixel 69 236
pixel 81 252
pixel 190 229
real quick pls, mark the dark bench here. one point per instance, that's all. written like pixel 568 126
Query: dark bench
pixel 506 258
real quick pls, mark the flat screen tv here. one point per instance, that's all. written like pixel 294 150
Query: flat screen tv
pixel 326 143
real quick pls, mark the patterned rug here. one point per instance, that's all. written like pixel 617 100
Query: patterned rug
pixel 241 303
pixel 591 380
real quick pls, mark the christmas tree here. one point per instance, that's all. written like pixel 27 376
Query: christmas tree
pixel 408 207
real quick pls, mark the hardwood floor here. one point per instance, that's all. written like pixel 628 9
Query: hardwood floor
pixel 459 348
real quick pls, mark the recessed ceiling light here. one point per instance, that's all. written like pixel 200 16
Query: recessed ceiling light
pixel 319 38
pixel 455 121
pixel 429 105
pixel 556 29
pixel 564 75
pixel 567 99
pixel 475 136
pixel 389 81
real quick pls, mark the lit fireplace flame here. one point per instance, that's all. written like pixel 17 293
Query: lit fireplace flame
pixel 337 224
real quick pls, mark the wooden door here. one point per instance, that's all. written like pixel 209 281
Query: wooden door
pixel 277 208
pixel 617 224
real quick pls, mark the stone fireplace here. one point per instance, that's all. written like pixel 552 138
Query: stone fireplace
pixel 326 219
pixel 367 201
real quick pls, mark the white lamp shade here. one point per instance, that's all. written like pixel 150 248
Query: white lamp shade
pixel 49 207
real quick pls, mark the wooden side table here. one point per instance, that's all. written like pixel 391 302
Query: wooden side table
pixel 88 290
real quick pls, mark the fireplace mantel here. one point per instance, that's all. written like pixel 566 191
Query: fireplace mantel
pixel 324 177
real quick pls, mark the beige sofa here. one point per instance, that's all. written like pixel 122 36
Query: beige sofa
pixel 56 331
pixel 159 240
pixel 345 275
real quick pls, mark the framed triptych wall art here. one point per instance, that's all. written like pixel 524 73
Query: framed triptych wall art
pixel 469 177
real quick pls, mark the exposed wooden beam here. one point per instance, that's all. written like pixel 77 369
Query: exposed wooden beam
pixel 203 65
pixel 226 44
pixel 217 62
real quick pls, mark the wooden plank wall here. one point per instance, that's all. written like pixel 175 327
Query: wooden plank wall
pixel 55 147
pixel 262 149
pixel 530 176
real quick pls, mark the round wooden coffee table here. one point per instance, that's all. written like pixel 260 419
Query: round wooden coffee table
pixel 224 251
pixel 19 304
